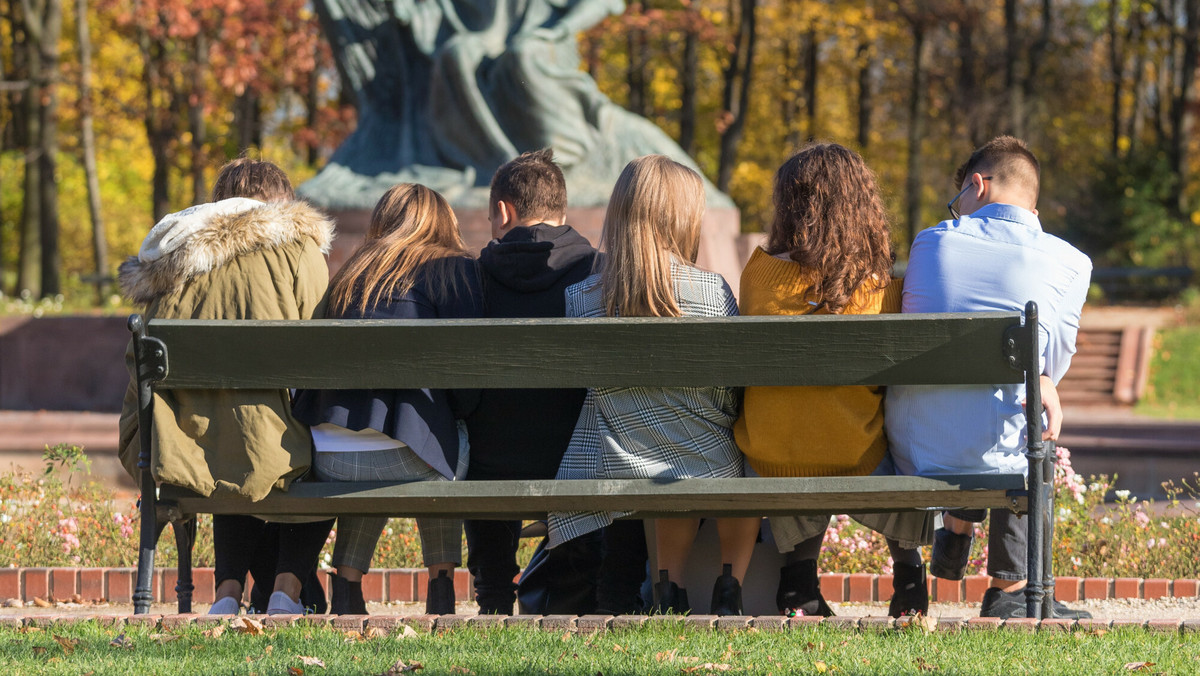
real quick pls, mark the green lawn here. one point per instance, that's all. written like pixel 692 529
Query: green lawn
pixel 1174 387
pixel 664 649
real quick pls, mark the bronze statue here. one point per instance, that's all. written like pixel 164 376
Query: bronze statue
pixel 448 90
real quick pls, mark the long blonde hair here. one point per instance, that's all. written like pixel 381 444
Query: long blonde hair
pixel 411 227
pixel 653 216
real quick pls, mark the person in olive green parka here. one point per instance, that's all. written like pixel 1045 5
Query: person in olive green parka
pixel 253 253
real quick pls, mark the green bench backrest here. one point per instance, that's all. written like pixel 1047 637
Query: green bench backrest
pixel 935 349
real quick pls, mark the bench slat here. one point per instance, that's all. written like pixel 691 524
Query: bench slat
pixel 648 497
pixel 941 349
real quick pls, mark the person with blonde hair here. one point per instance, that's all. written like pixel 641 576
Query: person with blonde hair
pixel 650 240
pixel 413 265
pixel 828 252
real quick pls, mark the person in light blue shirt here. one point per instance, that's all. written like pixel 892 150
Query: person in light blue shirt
pixel 992 256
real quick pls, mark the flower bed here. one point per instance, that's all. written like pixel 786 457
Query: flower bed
pixel 60 518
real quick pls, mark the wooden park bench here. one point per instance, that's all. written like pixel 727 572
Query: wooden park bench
pixel 931 349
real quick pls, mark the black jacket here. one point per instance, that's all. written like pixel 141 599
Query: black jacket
pixel 523 433
pixel 421 419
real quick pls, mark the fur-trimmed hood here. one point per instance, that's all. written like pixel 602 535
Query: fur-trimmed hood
pixel 202 238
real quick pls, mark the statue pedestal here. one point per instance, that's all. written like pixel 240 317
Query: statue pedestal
pixel 723 247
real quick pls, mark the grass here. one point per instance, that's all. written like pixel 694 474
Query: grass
pixel 1174 387
pixel 665 649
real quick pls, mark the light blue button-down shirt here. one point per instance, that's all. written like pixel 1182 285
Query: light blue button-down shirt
pixel 995 259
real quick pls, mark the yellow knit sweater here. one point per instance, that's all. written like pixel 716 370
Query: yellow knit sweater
pixel 808 431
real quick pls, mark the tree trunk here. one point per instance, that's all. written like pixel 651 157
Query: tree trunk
pixel 160 127
pixel 635 72
pixel 917 102
pixel 968 95
pixel 29 260
pixel 1116 68
pixel 810 82
pixel 687 97
pixel 312 103
pixel 247 120
pixel 52 21
pixel 1012 51
pixel 88 148
pixel 1036 54
pixel 1182 108
pixel 196 123
pixel 736 95
pixel 866 91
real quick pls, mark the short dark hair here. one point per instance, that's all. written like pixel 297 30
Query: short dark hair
pixel 255 179
pixel 533 183
pixel 1008 160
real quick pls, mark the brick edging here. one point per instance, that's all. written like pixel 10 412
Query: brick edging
pixel 383 625
pixel 408 585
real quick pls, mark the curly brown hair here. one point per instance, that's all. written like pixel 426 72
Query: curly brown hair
pixel 829 218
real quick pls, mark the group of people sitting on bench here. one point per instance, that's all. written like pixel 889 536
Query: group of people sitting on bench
pixel 255 252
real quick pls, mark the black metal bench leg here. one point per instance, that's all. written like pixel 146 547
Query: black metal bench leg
pixel 1048 543
pixel 1035 453
pixel 185 537
pixel 151 531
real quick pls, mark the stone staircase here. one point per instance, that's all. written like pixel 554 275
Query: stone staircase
pixel 1110 366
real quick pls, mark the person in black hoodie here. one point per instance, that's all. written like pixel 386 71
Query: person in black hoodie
pixel 523 433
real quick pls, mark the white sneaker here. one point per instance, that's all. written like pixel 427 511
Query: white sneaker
pixel 226 605
pixel 282 604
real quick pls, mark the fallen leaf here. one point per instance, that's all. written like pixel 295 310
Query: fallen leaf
pixel 407 632
pixel 163 638
pixel 1138 666
pixel 401 668
pixel 375 632
pixel 42 603
pixel 707 666
pixel 121 641
pixel 566 636
pixel 617 648
pixel 352 636
pixel 312 661
pixel 821 667
pixel 246 625
pixel 295 671
pixel 68 644
pixel 267 650
pixel 922 665
pixel 39 650
pixel 665 656
pixel 215 632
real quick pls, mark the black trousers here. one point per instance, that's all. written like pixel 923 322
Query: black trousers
pixel 246 544
pixel 603 570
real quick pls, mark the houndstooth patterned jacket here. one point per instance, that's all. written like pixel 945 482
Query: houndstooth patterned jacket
pixel 650 432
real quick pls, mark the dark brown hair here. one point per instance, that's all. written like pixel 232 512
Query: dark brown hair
pixel 255 179
pixel 829 218
pixel 412 227
pixel 1008 161
pixel 533 183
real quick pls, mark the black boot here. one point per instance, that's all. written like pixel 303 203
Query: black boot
pixel 727 594
pixel 951 553
pixel 799 590
pixel 439 595
pixel 671 599
pixel 346 597
pixel 910 591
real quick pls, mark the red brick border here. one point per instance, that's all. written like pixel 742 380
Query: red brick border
pixel 408 585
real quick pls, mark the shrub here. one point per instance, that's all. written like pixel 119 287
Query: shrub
pixel 60 519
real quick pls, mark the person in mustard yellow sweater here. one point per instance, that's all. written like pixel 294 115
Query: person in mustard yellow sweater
pixel 829 252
